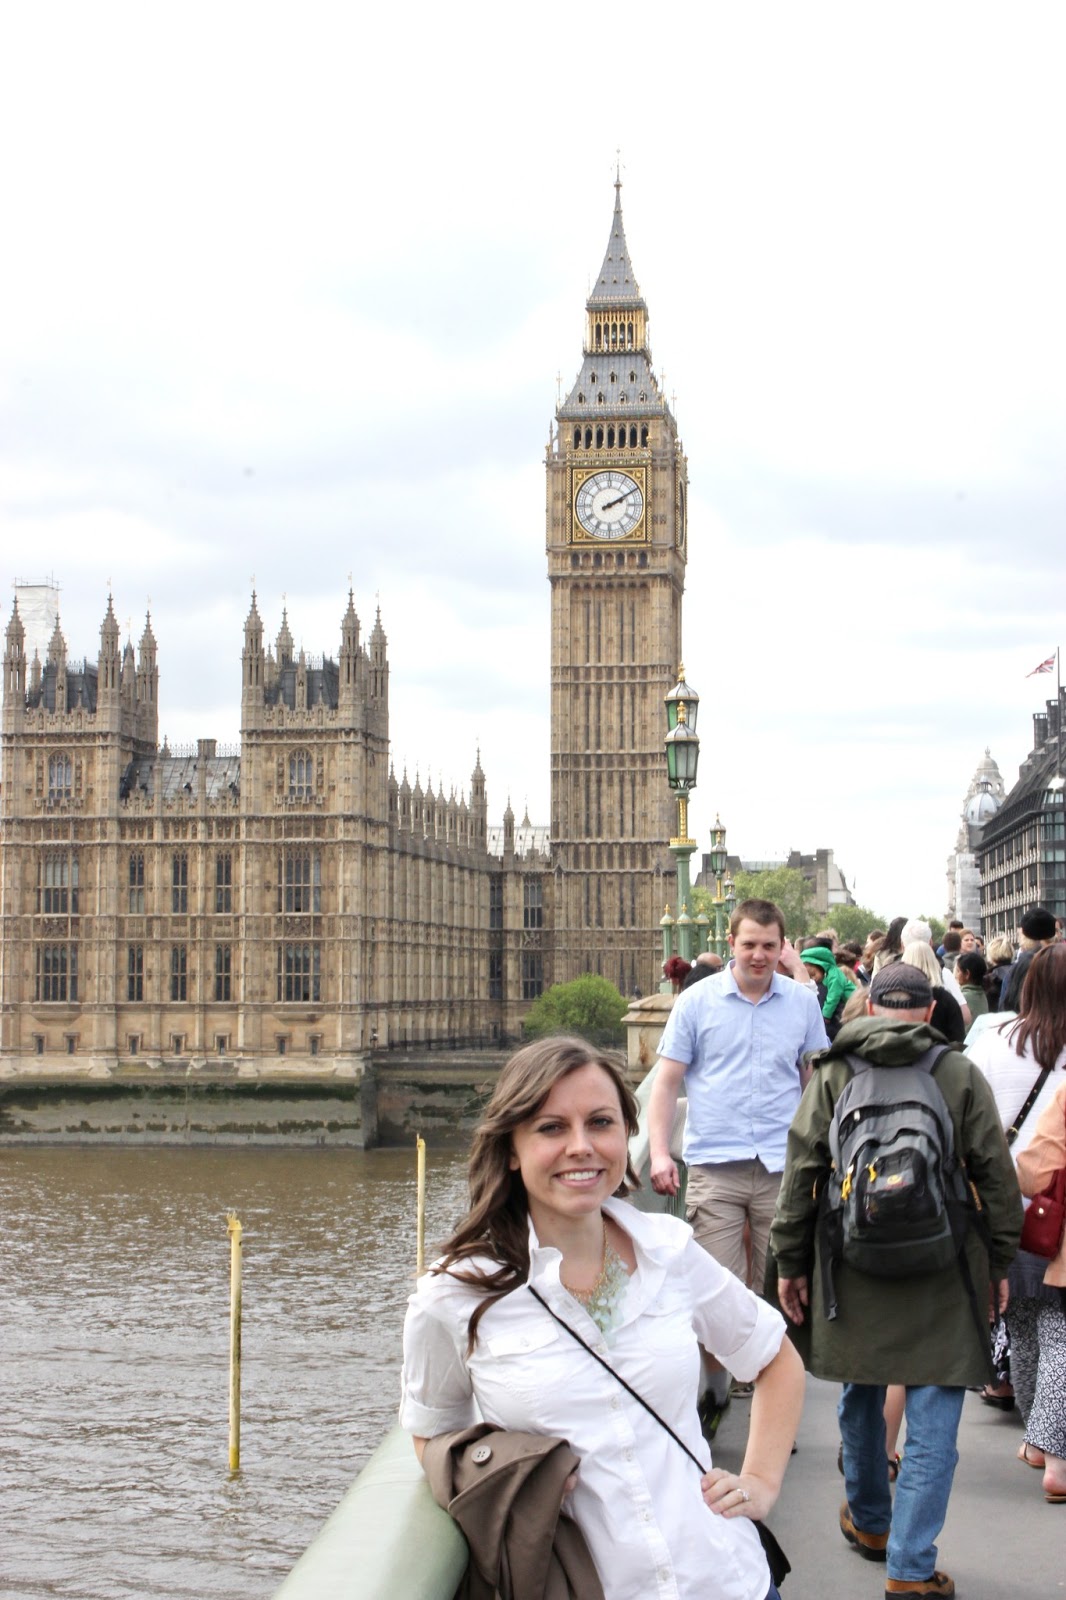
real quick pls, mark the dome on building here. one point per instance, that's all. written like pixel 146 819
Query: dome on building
pixel 982 806
pixel 987 773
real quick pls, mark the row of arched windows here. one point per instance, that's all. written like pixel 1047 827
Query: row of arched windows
pixel 613 335
pixel 620 437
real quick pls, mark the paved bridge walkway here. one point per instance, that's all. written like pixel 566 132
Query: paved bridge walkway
pixel 1002 1541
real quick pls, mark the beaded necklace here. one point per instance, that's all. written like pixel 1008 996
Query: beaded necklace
pixel 603 1302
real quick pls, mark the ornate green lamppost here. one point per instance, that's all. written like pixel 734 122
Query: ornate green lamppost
pixel 682 760
pixel 725 895
pixel 717 859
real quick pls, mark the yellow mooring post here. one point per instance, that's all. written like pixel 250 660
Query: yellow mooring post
pixel 234 1227
pixel 420 1249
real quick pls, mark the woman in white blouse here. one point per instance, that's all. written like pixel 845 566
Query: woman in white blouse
pixel 1013 1057
pixel 547 1161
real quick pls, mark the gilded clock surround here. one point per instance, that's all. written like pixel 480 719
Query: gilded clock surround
pixel 609 468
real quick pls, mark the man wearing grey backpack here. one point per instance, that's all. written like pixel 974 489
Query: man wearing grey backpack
pixel 898 1216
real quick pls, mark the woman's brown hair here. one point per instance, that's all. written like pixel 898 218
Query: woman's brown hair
pixel 497 1223
pixel 1042 1020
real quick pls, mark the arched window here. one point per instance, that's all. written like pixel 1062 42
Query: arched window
pixel 599 337
pixel 633 436
pixel 599 397
pixel 588 438
pixel 644 436
pixel 580 398
pixel 301 775
pixel 610 438
pixel 614 377
pixel 599 438
pixel 630 338
pixel 577 438
pixel 60 778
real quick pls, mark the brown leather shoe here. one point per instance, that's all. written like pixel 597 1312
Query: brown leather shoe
pixel 938 1584
pixel 871 1546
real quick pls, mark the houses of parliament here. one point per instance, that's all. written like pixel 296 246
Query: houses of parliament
pixel 293 898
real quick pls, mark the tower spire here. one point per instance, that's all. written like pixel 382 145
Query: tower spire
pixel 616 281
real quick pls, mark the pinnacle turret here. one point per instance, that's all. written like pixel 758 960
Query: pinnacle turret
pixel 57 645
pixel 16 633
pixel 284 640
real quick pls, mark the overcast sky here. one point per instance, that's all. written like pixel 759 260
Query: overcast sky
pixel 287 290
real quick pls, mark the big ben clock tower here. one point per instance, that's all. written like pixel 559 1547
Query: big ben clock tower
pixel 616 532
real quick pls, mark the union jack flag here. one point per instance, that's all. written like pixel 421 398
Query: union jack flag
pixel 1045 666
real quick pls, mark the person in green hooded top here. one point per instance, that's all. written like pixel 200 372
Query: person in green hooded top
pixel 821 963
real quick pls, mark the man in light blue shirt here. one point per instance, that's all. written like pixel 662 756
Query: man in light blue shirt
pixel 737 1042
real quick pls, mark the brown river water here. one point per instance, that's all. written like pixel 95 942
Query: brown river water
pixel 114 1341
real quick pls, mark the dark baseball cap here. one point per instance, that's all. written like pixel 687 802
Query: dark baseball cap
pixel 899 987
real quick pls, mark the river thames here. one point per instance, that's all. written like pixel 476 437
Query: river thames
pixel 114 1320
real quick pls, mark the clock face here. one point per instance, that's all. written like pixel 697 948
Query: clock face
pixel 609 505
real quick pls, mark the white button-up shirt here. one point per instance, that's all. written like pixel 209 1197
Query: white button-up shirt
pixel 638 1500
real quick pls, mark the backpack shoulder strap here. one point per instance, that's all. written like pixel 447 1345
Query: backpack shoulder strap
pixel 930 1059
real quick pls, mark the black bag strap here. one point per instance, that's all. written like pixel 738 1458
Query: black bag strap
pixel 778 1562
pixel 1015 1127
pixel 639 1398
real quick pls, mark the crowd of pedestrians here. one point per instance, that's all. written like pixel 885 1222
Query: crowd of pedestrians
pixel 908 1347
pixel 861 1123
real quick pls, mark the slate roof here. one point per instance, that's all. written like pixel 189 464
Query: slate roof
pixel 81 688
pixel 323 684
pixel 616 281
pixel 180 774
pixel 636 396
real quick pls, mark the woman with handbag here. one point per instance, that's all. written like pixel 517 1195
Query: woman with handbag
pixel 1042 1168
pixel 1024 1060
pixel 557 1309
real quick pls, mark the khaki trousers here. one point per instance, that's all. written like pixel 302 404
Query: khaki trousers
pixel 719 1199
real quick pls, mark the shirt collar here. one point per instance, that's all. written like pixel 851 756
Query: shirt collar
pixel 776 985
pixel 655 1235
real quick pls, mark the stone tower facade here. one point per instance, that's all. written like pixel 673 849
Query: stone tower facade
pixel 616 545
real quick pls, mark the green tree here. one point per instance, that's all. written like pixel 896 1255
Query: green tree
pixel 590 1006
pixel 787 888
pixel 936 927
pixel 853 923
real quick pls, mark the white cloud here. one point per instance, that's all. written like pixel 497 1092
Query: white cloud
pixel 290 293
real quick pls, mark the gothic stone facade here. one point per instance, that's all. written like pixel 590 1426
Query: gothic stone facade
pixel 293 899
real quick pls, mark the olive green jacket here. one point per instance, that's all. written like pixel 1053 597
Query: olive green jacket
pixel 916 1330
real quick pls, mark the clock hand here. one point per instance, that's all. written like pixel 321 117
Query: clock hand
pixel 611 503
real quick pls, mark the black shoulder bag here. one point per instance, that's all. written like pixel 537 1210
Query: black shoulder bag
pixel 776 1558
